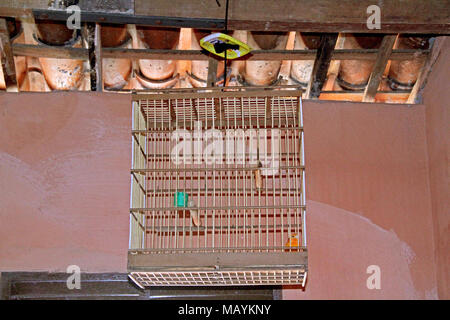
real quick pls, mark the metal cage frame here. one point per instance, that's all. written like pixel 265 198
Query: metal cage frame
pixel 245 221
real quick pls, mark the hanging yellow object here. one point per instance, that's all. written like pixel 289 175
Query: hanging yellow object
pixel 217 43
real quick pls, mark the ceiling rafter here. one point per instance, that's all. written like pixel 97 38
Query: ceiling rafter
pixel 321 64
pixel 7 58
pixel 256 15
pixel 169 54
pixel 380 65
pixel 175 14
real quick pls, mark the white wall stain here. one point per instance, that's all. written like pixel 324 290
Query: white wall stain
pixel 349 242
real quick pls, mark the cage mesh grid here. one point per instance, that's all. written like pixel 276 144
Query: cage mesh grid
pixel 220 278
pixel 246 190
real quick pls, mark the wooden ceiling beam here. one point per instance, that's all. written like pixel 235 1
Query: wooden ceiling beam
pixel 255 15
pixel 19 8
pixel 335 65
pixel 416 93
pixel 342 54
pixel 378 69
pixel 30 50
pixel 309 15
pixel 7 58
pixel 98 57
pixel 321 64
pixel 88 32
pixel 83 53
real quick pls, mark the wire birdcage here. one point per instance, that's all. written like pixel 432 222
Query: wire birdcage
pixel 217 194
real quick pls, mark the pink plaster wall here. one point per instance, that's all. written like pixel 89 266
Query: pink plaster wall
pixel 436 98
pixel 367 202
pixel 64 181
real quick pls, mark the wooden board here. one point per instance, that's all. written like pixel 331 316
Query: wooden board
pixel 321 64
pixel 142 261
pixel 309 15
pixel 378 69
pixel 31 50
pixel 21 8
pixel 262 15
pixel 341 54
pixel 7 58
pixel 108 286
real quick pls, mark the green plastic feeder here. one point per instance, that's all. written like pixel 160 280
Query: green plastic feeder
pixel 181 199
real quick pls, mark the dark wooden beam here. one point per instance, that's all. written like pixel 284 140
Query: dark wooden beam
pixel 378 69
pixel 123 18
pixel 321 64
pixel 123 6
pixel 88 33
pixel 4 287
pixel 108 286
pixel 98 58
pixel 153 54
pixel 31 50
pixel 18 8
pixel 7 58
pixel 416 93
pixel 341 54
pixel 310 15
pixel 21 8
pixel 262 15
pixel 83 53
